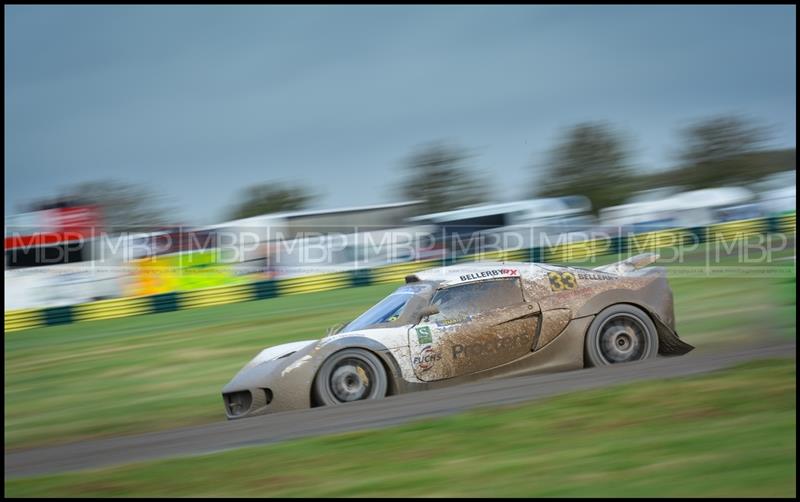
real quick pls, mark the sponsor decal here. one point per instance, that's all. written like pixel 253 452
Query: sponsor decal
pixel 490 347
pixel 490 273
pixel 424 335
pixel 426 358
pixel 450 322
pixel 562 280
pixel 594 276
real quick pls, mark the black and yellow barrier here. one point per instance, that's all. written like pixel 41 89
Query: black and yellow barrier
pixel 16 320
pixel 109 309
pixel 23 319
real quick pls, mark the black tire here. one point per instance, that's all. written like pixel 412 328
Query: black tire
pixel 620 334
pixel 350 375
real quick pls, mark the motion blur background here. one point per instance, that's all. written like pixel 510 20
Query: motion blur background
pixel 162 158
pixel 136 132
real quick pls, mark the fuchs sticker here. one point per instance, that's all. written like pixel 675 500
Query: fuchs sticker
pixel 426 358
pixel 424 335
pixel 490 273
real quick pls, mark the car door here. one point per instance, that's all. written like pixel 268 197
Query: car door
pixel 480 325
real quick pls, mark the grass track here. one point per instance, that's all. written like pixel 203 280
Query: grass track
pixel 729 433
pixel 108 377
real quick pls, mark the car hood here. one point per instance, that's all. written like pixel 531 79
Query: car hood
pixel 389 337
pixel 277 352
pixel 265 363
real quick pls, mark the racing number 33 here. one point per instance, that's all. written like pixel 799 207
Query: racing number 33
pixel 561 280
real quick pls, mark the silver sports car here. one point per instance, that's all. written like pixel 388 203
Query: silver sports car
pixel 453 324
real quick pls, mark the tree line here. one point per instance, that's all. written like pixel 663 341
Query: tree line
pixel 591 159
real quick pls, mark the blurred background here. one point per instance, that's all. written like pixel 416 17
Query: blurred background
pixel 209 163
pixel 146 144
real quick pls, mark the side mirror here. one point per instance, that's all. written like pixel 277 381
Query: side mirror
pixel 428 311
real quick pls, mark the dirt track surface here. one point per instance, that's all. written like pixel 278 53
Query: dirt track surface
pixel 365 415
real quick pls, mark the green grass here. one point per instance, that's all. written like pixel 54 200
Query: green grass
pixel 729 433
pixel 103 378
pixel 786 310
pixel 151 372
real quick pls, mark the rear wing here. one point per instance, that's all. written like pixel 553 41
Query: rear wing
pixel 629 266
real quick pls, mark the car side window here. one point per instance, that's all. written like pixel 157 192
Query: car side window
pixel 457 302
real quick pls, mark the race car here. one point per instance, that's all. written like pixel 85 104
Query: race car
pixel 459 323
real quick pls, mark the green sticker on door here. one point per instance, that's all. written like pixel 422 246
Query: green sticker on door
pixel 424 335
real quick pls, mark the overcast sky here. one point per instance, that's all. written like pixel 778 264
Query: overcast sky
pixel 199 102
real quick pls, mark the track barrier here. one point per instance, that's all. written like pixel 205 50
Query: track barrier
pixel 16 320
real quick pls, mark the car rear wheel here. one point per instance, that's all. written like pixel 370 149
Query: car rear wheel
pixel 350 375
pixel 620 334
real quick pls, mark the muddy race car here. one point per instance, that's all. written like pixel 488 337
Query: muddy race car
pixel 463 322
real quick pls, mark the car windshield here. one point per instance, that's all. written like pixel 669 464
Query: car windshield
pixel 390 308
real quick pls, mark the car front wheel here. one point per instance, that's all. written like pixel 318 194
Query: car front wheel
pixel 620 334
pixel 350 375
